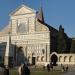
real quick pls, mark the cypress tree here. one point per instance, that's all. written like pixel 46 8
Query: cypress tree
pixel 61 48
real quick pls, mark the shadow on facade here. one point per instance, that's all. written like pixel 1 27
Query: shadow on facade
pixel 20 56
pixel 16 55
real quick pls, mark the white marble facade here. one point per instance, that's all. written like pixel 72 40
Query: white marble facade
pixel 33 36
pixel 35 42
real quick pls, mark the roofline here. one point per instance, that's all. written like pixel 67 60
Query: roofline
pixel 20 7
pixel 47 25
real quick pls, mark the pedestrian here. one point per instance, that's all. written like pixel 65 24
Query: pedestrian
pixel 51 66
pixel 43 67
pixel 67 68
pixel 25 70
pixel 63 68
pixel 61 65
pixel 6 70
pixel 20 69
pixel 48 67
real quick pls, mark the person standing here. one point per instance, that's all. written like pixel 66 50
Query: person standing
pixel 20 69
pixel 67 68
pixel 6 71
pixel 25 70
pixel 48 67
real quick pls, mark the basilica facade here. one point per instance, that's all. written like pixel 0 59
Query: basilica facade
pixel 32 40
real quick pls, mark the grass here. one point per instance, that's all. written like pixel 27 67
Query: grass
pixel 40 71
pixel 45 73
pixel 13 72
pixel 36 71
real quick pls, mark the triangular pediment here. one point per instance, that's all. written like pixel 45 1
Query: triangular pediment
pixel 23 10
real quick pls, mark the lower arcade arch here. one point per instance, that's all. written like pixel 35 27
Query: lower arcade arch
pixel 54 59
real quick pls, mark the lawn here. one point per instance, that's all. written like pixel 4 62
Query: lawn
pixel 40 71
pixel 45 73
pixel 36 71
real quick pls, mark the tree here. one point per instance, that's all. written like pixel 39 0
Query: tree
pixel 72 50
pixel 62 45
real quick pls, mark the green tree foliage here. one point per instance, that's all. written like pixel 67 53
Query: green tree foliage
pixel 62 42
pixel 72 50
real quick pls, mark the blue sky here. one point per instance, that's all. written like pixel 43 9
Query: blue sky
pixel 56 12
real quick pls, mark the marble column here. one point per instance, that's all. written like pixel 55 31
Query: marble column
pixel 6 59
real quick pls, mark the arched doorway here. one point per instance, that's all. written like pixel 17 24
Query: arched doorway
pixel 54 59
pixel 20 56
pixel 33 58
